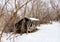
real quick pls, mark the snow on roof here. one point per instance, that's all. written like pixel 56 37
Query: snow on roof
pixel 34 19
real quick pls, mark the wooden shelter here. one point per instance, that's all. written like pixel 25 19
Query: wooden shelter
pixel 25 25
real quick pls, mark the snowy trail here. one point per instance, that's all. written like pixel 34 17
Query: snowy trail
pixel 50 32
pixel 47 33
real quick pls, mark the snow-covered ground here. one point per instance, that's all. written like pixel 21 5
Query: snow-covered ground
pixel 46 33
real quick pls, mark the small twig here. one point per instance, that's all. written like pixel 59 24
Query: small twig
pixel 12 37
pixel 9 36
pixel 0 37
